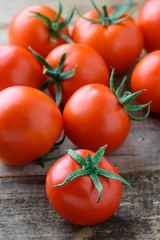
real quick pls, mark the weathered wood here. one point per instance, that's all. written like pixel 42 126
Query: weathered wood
pixel 27 214
pixel 140 152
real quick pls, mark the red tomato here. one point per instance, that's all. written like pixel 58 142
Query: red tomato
pixel 77 200
pixel 93 117
pixel 119 44
pixel 149 22
pixel 146 75
pixel 91 68
pixel 26 30
pixel 18 67
pixel 30 123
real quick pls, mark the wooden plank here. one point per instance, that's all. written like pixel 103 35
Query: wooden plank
pixel 139 153
pixel 27 213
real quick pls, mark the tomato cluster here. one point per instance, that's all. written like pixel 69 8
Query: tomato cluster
pixel 78 69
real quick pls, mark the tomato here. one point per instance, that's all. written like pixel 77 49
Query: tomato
pixel 77 200
pixel 146 75
pixel 91 68
pixel 26 29
pixel 93 117
pixel 119 44
pixel 30 123
pixel 18 67
pixel 149 22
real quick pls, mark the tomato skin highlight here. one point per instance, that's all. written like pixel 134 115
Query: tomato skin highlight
pixel 146 75
pixel 26 31
pixel 30 123
pixel 149 22
pixel 91 68
pixel 119 44
pixel 18 67
pixel 93 117
pixel 76 201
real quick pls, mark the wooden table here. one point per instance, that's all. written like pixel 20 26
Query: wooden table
pixel 25 212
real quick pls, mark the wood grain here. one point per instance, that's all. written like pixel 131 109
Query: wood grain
pixel 25 212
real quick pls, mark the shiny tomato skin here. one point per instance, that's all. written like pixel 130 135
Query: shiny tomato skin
pixel 30 123
pixel 146 75
pixel 76 201
pixel 93 117
pixel 91 68
pixel 149 22
pixel 25 30
pixel 119 44
pixel 18 67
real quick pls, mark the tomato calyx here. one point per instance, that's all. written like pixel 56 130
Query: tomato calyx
pixel 42 160
pixel 127 98
pixel 89 167
pixel 114 18
pixel 56 75
pixel 54 27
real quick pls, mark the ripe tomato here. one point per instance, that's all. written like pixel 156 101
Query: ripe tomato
pixel 119 44
pixel 149 22
pixel 18 67
pixel 30 123
pixel 26 30
pixel 77 200
pixel 91 68
pixel 146 75
pixel 93 117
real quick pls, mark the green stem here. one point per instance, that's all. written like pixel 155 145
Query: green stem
pixel 113 18
pixel 127 98
pixel 56 75
pixel 55 27
pixel 89 167
pixel 106 21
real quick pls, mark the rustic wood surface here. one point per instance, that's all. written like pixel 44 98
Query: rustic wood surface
pixel 25 212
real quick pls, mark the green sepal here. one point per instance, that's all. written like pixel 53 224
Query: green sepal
pixel 40 59
pixel 105 19
pixel 47 83
pixel 138 118
pixel 130 96
pixel 61 63
pixel 89 167
pixel 56 75
pixel 65 37
pixel 67 20
pixel 42 17
pixel 89 19
pixel 58 93
pixel 119 11
pixel 98 155
pixel 108 174
pixel 122 19
pixel 127 98
pixel 98 185
pixel 120 88
pixel 59 11
pixel 54 27
pixel 111 81
pixel 73 175
pixel 136 107
pixel 97 10
pixel 79 159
